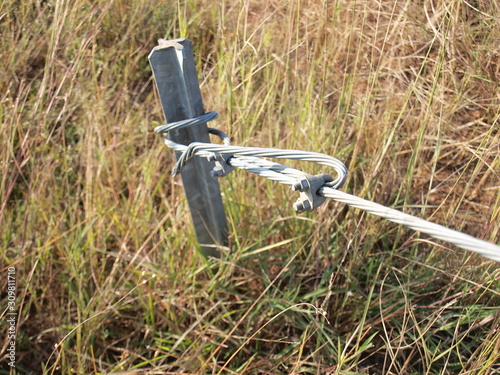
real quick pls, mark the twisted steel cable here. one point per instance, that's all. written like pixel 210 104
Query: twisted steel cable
pixel 248 158
pixel 197 147
pixel 459 239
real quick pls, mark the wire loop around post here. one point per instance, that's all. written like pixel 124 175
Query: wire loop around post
pixel 206 117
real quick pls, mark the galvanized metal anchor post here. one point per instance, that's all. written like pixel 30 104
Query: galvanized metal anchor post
pixel 174 72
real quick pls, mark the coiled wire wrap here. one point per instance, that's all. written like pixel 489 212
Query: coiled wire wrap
pixel 248 158
pixel 206 117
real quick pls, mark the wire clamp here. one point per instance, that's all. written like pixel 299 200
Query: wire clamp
pixel 308 187
pixel 222 167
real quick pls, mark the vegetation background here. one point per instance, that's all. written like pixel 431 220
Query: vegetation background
pixel 109 281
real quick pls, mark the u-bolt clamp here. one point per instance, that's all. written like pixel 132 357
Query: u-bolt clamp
pixel 308 187
pixel 222 167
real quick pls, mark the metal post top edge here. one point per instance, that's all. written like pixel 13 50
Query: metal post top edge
pixel 164 43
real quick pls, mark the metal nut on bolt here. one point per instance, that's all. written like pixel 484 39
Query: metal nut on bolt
pixel 308 187
pixel 300 185
pixel 302 205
